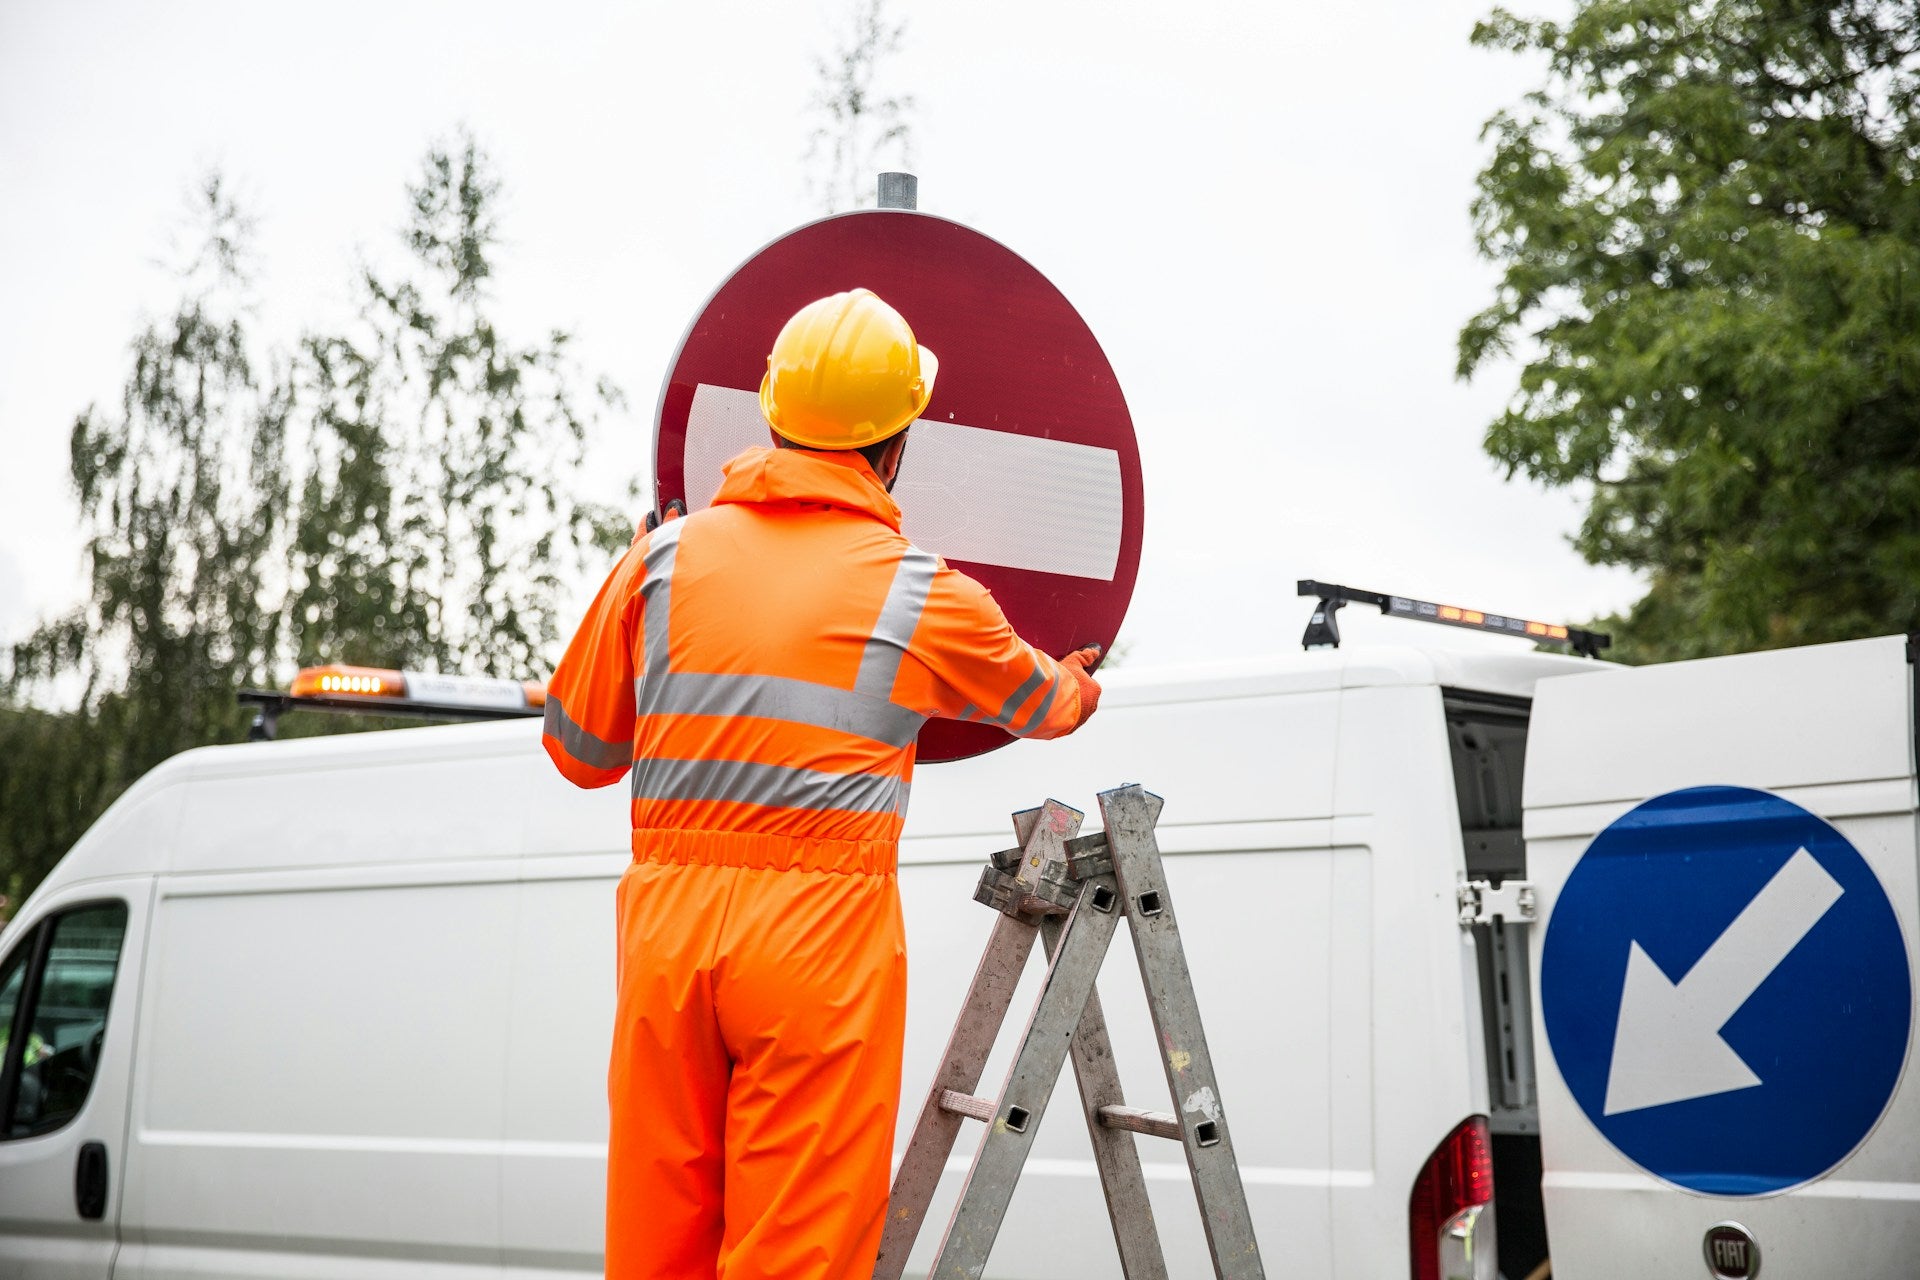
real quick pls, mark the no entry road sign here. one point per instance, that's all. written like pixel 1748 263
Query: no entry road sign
pixel 1725 987
pixel 1024 473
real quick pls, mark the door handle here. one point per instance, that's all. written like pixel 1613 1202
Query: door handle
pixel 90 1181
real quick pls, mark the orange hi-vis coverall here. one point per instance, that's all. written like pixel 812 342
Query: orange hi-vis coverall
pixel 764 666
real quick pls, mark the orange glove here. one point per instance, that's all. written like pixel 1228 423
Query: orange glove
pixel 1076 664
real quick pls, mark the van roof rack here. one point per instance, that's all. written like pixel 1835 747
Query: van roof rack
pixel 1323 629
pixel 379 692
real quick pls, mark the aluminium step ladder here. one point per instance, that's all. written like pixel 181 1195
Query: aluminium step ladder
pixel 1070 891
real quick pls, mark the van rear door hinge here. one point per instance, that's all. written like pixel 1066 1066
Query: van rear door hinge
pixel 1482 901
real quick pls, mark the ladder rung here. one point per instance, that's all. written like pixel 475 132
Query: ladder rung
pixel 965 1104
pixel 1159 1124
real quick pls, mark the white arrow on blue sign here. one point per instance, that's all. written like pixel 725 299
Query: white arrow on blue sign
pixel 1726 991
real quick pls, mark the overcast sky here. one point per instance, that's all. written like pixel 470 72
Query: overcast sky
pixel 1261 210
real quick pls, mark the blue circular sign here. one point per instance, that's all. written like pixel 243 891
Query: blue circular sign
pixel 1726 991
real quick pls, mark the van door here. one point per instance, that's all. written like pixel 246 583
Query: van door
pixel 1724 857
pixel 1487 739
pixel 67 985
pixel 322 1061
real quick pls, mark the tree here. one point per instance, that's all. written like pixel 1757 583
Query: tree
pixel 179 488
pixel 860 131
pixel 438 521
pixel 180 494
pixel 401 493
pixel 1709 232
pixel 57 771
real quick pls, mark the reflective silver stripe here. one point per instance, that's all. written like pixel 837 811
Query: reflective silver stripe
pixel 1016 699
pixel 866 711
pixel 656 592
pixel 899 617
pixel 689 693
pixel 1039 714
pixel 588 748
pixel 769 784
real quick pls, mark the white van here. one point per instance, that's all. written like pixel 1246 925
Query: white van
pixel 1725 863
pixel 340 1006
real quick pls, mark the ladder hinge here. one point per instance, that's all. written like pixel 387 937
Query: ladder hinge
pixel 1482 901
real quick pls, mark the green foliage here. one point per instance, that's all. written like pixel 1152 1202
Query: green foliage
pixel 180 493
pixel 57 771
pixel 400 493
pixel 437 520
pixel 1709 228
pixel 860 130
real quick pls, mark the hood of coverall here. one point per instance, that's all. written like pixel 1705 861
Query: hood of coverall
pixel 836 479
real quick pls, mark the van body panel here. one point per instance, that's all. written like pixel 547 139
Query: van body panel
pixel 1395 789
pixel 1505 673
pixel 1828 728
pixel 214 1258
pixel 1626 733
pixel 322 1072
pixel 375 1029
pixel 1249 789
pixel 1204 758
pixel 553 1196
pixel 132 838
pixel 562 820
pixel 1832 799
pixel 1265 1034
pixel 324 814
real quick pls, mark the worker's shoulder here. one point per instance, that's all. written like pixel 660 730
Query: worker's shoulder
pixel 872 539
pixel 666 533
pixel 956 585
pixel 877 545
pixel 910 552
pixel 631 567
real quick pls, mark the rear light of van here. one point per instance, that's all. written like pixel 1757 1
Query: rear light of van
pixel 1450 1216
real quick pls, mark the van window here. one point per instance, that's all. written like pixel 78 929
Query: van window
pixel 13 980
pixel 61 1017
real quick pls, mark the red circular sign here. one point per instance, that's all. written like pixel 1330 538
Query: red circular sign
pixel 1022 473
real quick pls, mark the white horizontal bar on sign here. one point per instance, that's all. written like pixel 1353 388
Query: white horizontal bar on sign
pixel 993 497
pixel 722 422
pixel 967 493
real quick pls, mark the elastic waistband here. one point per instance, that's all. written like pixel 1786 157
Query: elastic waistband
pixel 763 851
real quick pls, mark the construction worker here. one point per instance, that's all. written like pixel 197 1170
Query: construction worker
pixel 764 666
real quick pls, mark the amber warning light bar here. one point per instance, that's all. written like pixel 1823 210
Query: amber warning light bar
pixel 377 691
pixel 1323 629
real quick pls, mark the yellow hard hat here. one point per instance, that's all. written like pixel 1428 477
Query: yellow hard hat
pixel 845 373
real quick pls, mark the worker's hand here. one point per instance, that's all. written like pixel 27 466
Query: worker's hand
pixel 675 510
pixel 1086 659
pixel 1077 664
